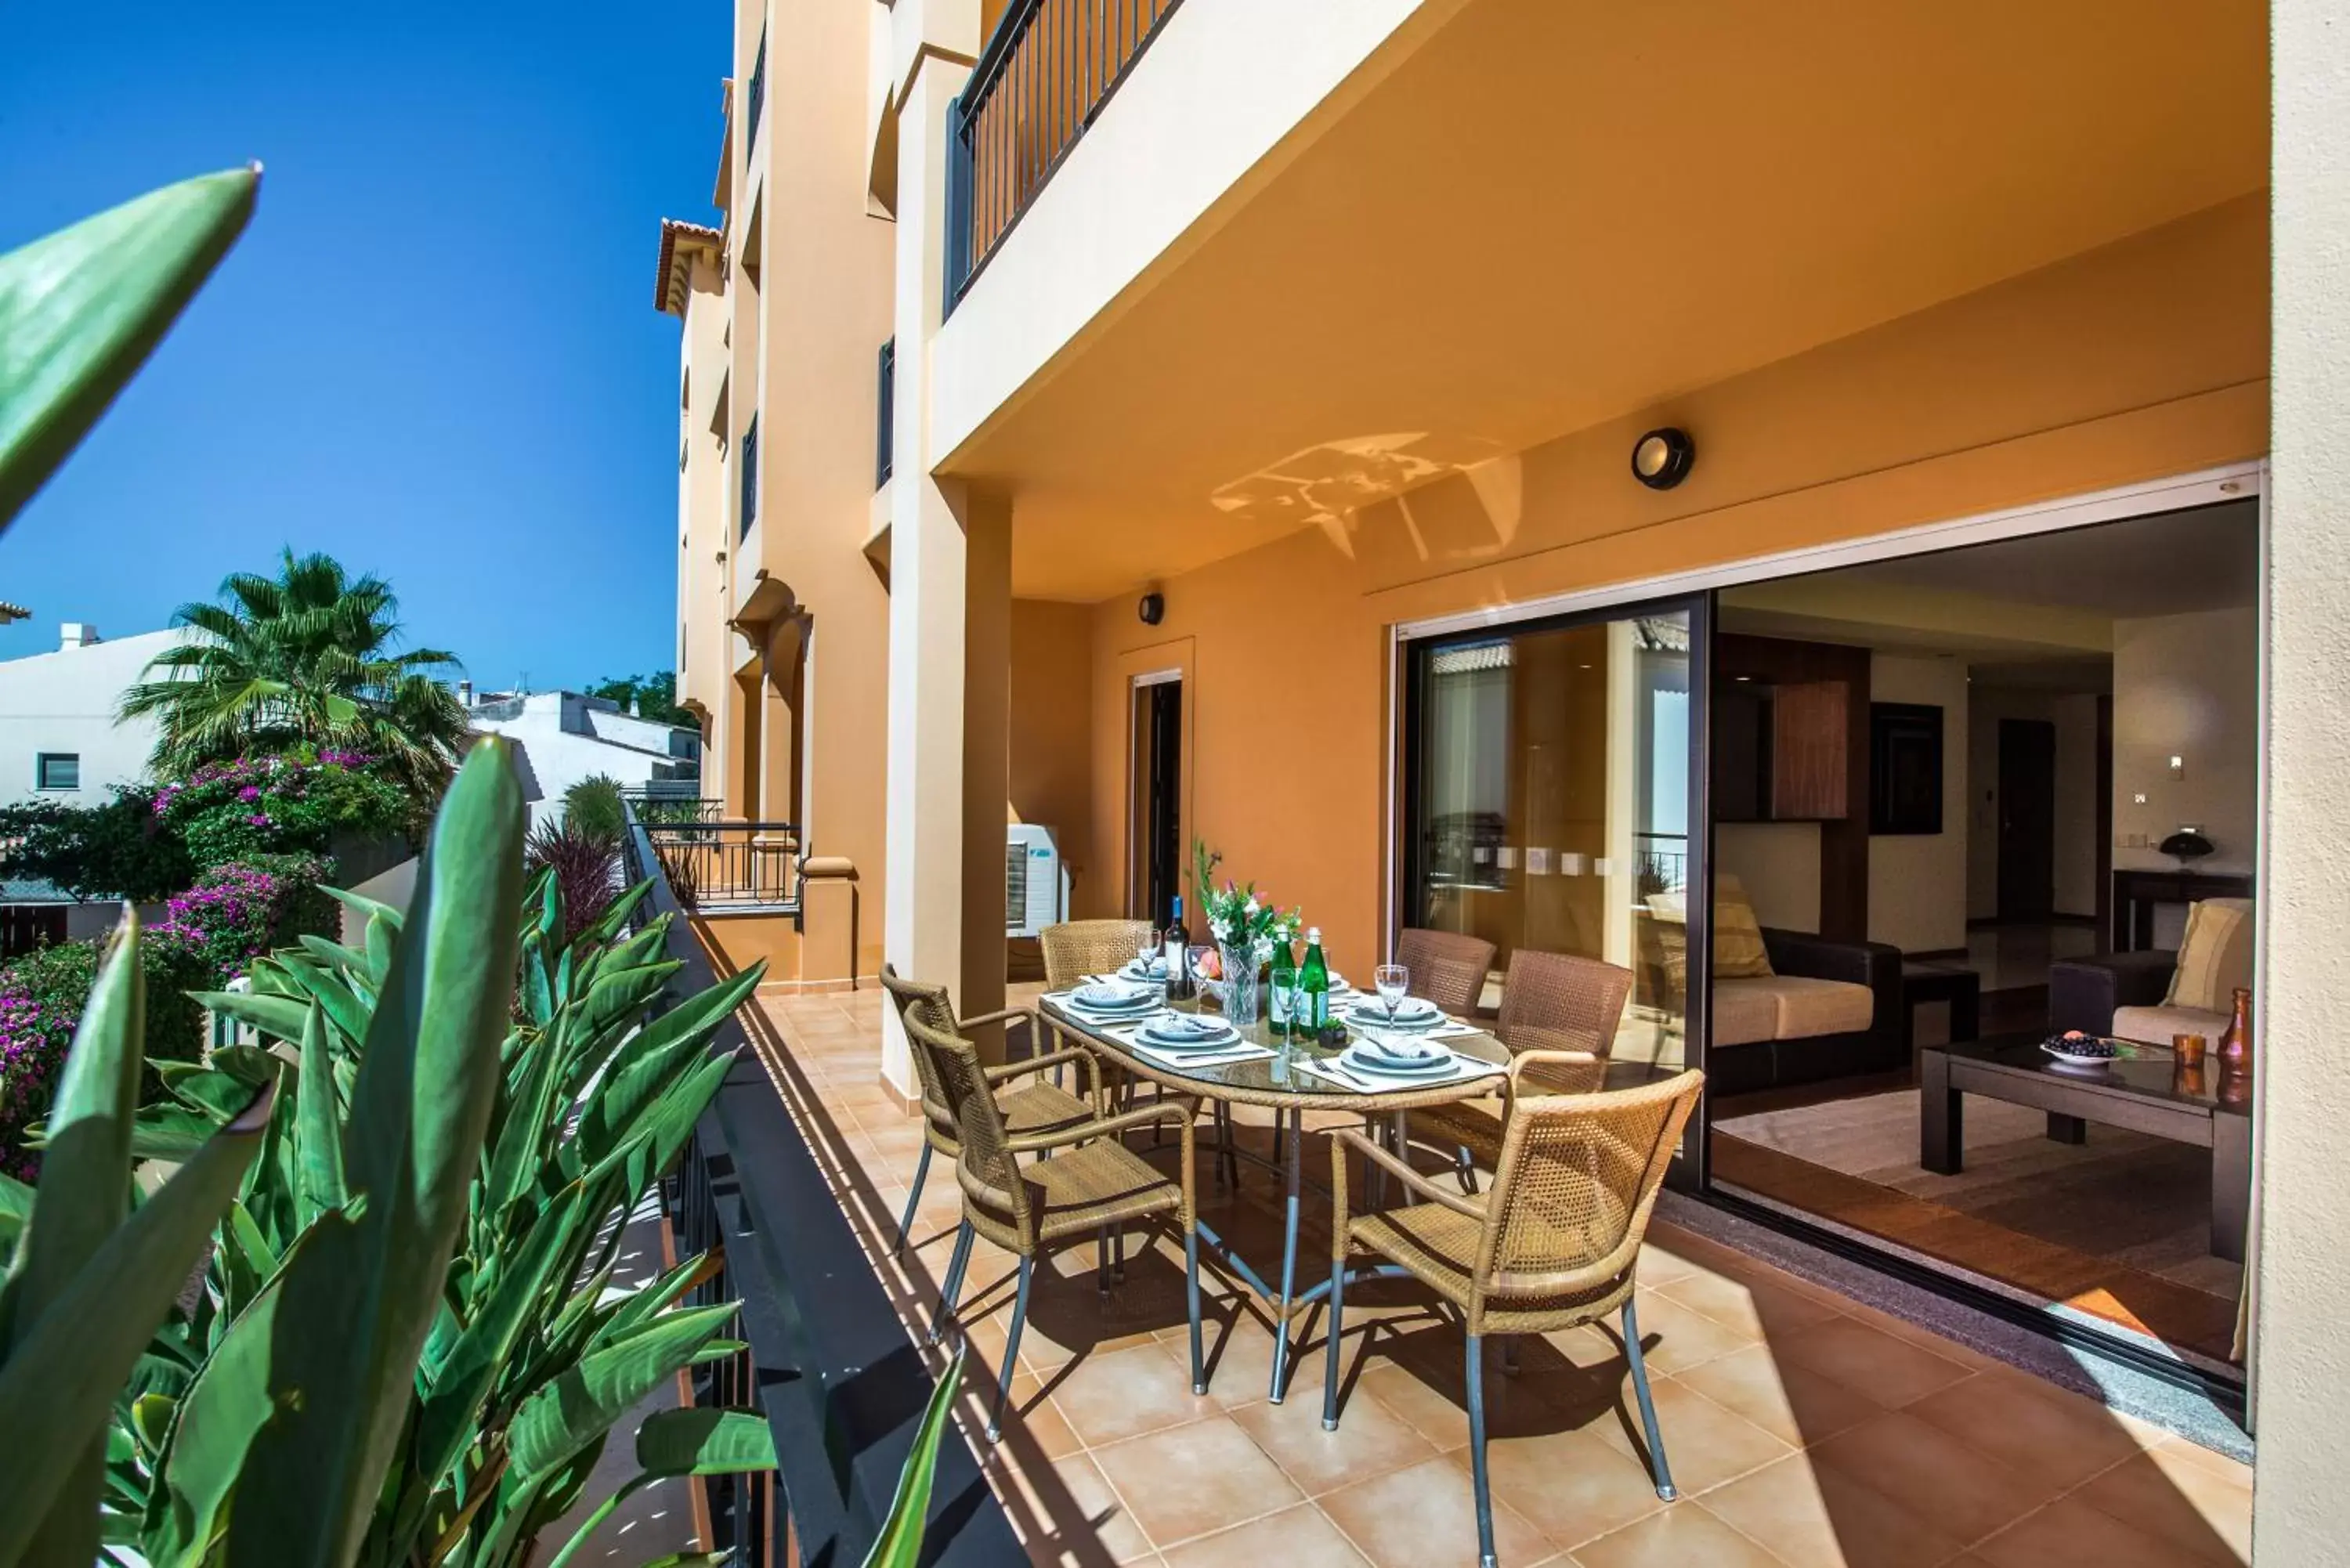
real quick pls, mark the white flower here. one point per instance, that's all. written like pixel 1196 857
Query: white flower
pixel 1251 907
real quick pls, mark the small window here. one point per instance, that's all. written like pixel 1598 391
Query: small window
pixel 58 770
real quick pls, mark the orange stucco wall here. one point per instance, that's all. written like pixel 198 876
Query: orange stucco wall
pixel 1051 724
pixel 2144 360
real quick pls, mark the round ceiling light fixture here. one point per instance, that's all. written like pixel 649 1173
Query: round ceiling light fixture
pixel 1661 459
pixel 1151 608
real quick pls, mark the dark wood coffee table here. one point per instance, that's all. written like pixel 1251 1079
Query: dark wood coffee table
pixel 2143 1094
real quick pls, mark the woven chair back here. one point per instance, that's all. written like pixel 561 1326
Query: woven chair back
pixel 989 1172
pixel 1076 949
pixel 926 1004
pixel 1558 1002
pixel 1447 968
pixel 1577 1180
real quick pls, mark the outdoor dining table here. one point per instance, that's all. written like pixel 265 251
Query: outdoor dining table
pixel 1294 1078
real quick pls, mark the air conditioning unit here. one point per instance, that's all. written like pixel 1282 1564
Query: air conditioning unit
pixel 1035 883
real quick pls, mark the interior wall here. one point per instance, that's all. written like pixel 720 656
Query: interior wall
pixel 2136 363
pixel 2187 686
pixel 1052 729
pixel 1778 863
pixel 2075 714
pixel 1918 883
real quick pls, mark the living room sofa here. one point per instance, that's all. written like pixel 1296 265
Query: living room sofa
pixel 1829 1010
pixel 2130 994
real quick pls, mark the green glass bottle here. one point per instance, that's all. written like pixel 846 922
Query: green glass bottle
pixel 1283 1005
pixel 1314 985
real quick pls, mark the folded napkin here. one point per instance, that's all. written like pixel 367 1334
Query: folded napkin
pixel 1184 1060
pixel 1345 1075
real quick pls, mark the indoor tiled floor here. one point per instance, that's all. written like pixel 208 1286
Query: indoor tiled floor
pixel 1805 1429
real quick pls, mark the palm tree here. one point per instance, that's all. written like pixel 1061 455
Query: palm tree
pixel 304 658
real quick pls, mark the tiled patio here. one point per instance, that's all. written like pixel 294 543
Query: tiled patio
pixel 1805 1429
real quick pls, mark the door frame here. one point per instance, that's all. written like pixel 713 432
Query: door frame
pixel 1141 766
pixel 1155 666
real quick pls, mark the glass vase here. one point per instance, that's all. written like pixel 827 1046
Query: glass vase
pixel 1243 1002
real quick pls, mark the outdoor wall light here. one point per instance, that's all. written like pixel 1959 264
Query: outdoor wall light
pixel 1152 609
pixel 1661 459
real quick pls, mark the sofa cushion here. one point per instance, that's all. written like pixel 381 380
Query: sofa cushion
pixel 2156 1025
pixel 1744 1013
pixel 2215 956
pixel 1806 1007
pixel 1737 950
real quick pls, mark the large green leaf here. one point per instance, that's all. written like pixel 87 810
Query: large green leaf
pixel 362 1306
pixel 696 1441
pixel 86 1169
pixel 900 1545
pixel 81 309
pixel 558 1420
pixel 318 1128
pixel 279 1017
pixel 68 1363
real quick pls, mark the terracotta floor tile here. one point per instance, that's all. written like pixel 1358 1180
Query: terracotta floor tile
pixel 2182 1502
pixel 1793 1403
pixel 1427 1515
pixel 1705 1443
pixel 1109 1396
pixel 2076 1535
pixel 1067 1513
pixel 1755 1307
pixel 1675 1337
pixel 1371 1440
pixel 1933 1475
pixel 2023 1421
pixel 1433 1402
pixel 1892 1372
pixel 1195 1479
pixel 1681 1536
pixel 1031 1419
pixel 2177 1448
pixel 1573 1486
pixel 1824 1519
pixel 1299 1537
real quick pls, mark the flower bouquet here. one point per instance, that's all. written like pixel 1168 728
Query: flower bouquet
pixel 1244 927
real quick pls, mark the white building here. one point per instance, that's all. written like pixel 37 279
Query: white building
pixel 59 739
pixel 563 737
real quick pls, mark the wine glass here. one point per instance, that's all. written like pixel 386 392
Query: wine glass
pixel 1147 953
pixel 1393 982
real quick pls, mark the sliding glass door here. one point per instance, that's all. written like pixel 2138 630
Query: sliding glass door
pixel 1554 801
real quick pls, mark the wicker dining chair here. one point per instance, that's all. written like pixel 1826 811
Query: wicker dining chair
pixel 1553 1245
pixel 1076 949
pixel 1565 1007
pixel 1447 968
pixel 1030 1111
pixel 1092 1185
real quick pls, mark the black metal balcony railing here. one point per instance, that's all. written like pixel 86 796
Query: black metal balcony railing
pixel 714 865
pixel 885 413
pixel 749 467
pixel 826 1359
pixel 666 801
pixel 1047 70
pixel 758 94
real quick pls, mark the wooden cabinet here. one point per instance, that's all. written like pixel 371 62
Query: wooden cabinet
pixel 1811 725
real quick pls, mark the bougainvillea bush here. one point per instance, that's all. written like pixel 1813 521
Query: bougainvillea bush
pixel 208 935
pixel 292 803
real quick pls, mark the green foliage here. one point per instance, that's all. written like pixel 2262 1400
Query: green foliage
pixel 89 1278
pixel 900 1543
pixel 118 850
pixel 592 806
pixel 299 801
pixel 422 1248
pixel 653 697
pixel 81 309
pixel 307 658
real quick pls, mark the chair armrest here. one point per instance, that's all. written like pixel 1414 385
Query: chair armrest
pixel 2083 993
pixel 1556 1066
pixel 1175 1111
pixel 1087 1065
pixel 1343 1138
pixel 1817 958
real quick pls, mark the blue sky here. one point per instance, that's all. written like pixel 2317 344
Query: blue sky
pixel 434 355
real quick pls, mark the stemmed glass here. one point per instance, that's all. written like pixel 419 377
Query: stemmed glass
pixel 1394 982
pixel 1147 954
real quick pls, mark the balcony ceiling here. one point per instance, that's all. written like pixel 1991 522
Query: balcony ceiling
pixel 1552 215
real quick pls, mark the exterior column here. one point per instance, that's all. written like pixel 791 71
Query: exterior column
pixel 986 755
pixel 2301 1364
pixel 928 590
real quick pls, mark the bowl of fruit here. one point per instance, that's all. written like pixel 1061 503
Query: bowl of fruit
pixel 2077 1049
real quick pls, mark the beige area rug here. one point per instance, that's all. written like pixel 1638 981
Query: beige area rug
pixel 2139 1201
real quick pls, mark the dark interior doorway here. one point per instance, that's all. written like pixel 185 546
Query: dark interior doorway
pixel 2027 819
pixel 1158 799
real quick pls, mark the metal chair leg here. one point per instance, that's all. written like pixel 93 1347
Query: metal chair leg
pixel 1191 1301
pixel 1330 1357
pixel 906 1220
pixel 952 1286
pixel 1476 1369
pixel 1464 1167
pixel 1657 1470
pixel 1117 1254
pixel 1011 1351
pixel 1509 1355
pixel 1101 1259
